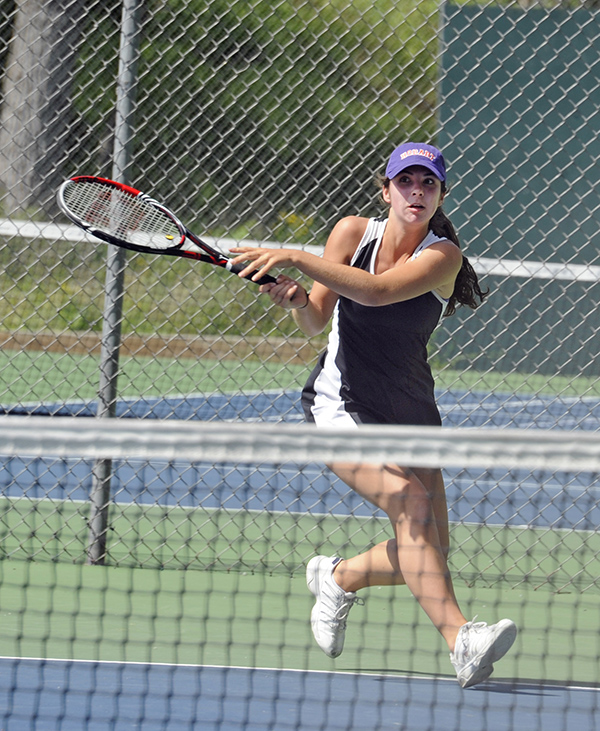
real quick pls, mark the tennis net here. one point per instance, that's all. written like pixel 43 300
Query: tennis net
pixel 197 615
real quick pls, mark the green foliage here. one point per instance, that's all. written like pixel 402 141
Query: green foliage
pixel 245 109
pixel 58 287
pixel 50 287
pixel 250 120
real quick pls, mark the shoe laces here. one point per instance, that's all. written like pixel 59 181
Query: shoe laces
pixel 345 605
pixel 468 629
pixel 475 626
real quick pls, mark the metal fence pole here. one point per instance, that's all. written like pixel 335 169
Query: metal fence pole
pixel 113 288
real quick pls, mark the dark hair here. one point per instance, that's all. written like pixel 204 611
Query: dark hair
pixel 467 291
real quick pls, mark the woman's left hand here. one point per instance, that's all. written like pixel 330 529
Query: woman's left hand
pixel 286 293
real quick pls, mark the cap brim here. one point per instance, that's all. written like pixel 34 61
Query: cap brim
pixel 414 161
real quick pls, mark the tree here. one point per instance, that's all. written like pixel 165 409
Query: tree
pixel 36 123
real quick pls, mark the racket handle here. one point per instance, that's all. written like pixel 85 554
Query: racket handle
pixel 237 268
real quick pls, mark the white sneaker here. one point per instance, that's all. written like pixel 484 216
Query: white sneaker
pixel 329 614
pixel 478 647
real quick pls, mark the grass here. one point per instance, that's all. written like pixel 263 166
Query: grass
pixel 56 288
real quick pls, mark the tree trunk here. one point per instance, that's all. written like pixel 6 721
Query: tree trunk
pixel 35 119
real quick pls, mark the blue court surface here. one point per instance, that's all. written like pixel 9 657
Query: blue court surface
pixel 458 408
pixel 494 496
pixel 173 697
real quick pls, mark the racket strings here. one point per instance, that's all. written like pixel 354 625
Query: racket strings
pixel 122 215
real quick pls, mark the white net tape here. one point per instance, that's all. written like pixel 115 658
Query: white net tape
pixel 424 446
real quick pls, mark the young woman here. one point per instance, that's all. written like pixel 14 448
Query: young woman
pixel 387 282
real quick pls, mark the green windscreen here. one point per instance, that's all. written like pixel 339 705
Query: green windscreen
pixel 518 123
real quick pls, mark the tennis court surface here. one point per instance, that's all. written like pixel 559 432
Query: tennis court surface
pixel 200 617
pixel 228 698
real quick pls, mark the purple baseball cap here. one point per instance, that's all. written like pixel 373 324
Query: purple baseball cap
pixel 415 153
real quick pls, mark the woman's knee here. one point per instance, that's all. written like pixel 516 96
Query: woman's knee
pixel 409 503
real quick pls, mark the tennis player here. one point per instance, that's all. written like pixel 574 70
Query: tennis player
pixel 387 282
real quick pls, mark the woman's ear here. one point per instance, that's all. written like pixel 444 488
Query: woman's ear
pixel 385 194
pixel 444 191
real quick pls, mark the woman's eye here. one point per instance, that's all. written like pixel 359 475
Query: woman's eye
pixel 407 180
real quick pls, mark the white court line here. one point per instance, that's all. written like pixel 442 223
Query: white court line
pixel 249 668
pixel 138 663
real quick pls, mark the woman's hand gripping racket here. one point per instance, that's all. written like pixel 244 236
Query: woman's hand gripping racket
pixel 121 215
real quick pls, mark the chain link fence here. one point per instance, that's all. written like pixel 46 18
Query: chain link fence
pixel 268 121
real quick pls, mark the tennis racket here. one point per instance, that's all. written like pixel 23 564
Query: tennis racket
pixel 123 216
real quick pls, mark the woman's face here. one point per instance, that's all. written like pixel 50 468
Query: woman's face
pixel 414 195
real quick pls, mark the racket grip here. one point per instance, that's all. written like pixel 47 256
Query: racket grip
pixel 237 268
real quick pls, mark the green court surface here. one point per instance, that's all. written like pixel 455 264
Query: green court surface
pixel 51 377
pixel 243 600
pixel 273 542
pixel 232 619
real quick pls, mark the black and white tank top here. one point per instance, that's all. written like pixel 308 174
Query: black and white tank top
pixel 375 368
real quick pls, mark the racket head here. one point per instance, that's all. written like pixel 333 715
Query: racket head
pixel 121 215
